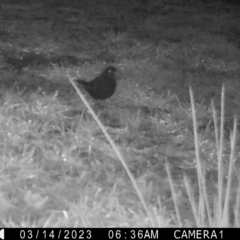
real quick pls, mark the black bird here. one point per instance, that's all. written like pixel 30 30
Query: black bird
pixel 103 86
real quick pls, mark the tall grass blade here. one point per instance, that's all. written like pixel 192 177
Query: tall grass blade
pixel 117 151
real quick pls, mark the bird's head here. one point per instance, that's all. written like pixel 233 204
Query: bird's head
pixel 110 71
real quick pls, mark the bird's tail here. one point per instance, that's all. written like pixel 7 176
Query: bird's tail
pixel 82 82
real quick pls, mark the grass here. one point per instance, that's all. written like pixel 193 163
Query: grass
pixel 155 154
